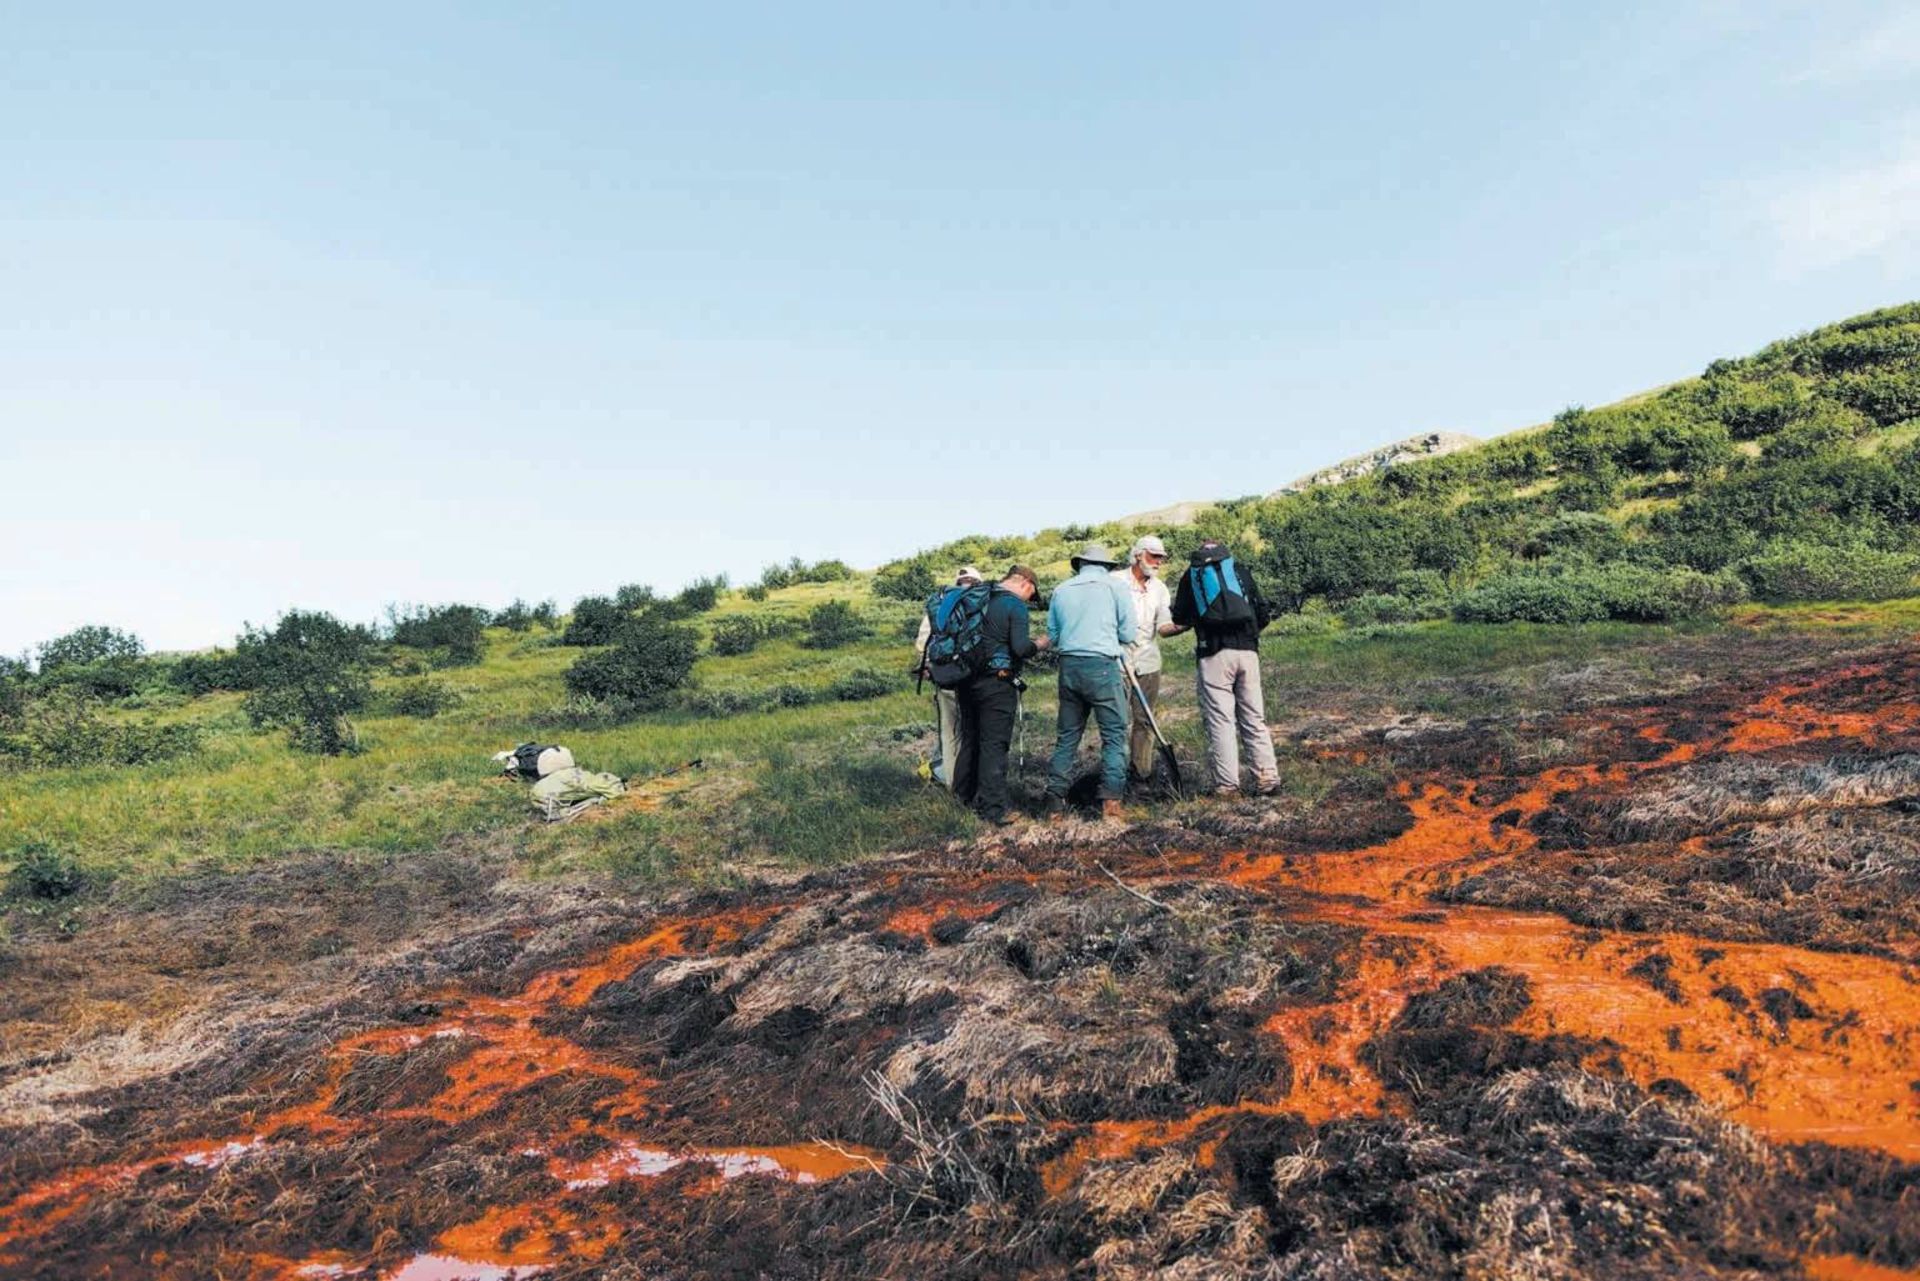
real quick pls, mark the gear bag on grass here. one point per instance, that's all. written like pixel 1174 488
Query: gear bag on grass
pixel 537 760
pixel 957 647
pixel 1218 598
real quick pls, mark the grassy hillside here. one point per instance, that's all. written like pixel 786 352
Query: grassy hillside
pixel 1793 474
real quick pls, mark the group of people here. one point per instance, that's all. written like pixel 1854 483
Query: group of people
pixel 1104 625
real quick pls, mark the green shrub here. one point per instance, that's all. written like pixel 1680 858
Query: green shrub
pixel 701 595
pixel 41 873
pixel 754 591
pixel 720 703
pixel 863 683
pixel 546 614
pixel 1306 623
pixel 735 635
pixel 517 617
pixel 424 698
pixel 1883 395
pixel 84 646
pixel 63 728
pixel 1642 594
pixel 596 620
pixel 1530 598
pixel 792 696
pixel 912 579
pixel 1813 571
pixel 631 596
pixel 455 635
pixel 650 660
pixel 221 669
pixel 310 673
pixel 1590 593
pixel 1577 535
pixel 832 625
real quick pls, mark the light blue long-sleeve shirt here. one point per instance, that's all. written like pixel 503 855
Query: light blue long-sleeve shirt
pixel 1090 614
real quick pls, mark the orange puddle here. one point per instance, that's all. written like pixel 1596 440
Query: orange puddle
pixel 508 1054
pixel 1844 1267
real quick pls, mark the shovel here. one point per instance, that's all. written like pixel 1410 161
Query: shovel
pixel 1165 749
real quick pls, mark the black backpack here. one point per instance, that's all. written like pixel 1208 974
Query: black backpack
pixel 1218 598
pixel 957 647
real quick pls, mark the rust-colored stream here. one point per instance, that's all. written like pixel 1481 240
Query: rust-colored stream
pixel 1839 1068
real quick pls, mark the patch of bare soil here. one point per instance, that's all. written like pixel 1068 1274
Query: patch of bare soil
pixel 1628 989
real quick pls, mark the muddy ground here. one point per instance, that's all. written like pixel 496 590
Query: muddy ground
pixel 1623 983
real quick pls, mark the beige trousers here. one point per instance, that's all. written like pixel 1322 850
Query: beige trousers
pixel 1235 714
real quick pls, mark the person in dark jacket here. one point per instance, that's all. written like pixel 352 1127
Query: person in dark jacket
pixel 1220 600
pixel 990 702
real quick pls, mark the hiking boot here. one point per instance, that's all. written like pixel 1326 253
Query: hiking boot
pixel 1111 808
pixel 1007 819
pixel 1266 786
pixel 1055 809
pixel 1226 793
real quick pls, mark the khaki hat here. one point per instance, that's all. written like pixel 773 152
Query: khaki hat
pixel 1094 554
pixel 1147 545
pixel 968 574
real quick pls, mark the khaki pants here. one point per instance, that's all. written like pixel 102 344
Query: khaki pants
pixel 946 703
pixel 1235 714
pixel 1141 743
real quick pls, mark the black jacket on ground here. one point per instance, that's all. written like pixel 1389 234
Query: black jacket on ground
pixel 1210 639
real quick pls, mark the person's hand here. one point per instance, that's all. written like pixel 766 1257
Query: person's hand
pixel 1042 643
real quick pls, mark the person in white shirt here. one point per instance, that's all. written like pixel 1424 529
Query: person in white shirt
pixel 947 744
pixel 1152 619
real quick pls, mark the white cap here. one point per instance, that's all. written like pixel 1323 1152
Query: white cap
pixel 1146 545
pixel 968 574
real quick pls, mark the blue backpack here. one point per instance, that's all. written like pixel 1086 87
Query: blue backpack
pixel 957 648
pixel 1218 598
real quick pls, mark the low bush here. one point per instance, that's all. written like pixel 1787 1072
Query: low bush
pixel 64 728
pixel 797 571
pixel 424 698
pixel 42 873
pixel 596 620
pixel 720 703
pixel 1813 571
pixel 87 645
pixel 754 591
pixel 792 696
pixel 310 674
pixel 735 635
pixel 1587 594
pixel 1530 598
pixel 909 580
pixel 221 669
pixel 650 660
pixel 861 684
pixel 701 595
pixel 453 635
pixel 1581 534
pixel 832 625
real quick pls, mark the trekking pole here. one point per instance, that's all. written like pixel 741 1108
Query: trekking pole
pixel 695 763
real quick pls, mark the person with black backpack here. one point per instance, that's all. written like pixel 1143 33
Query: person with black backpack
pixel 1219 599
pixel 978 653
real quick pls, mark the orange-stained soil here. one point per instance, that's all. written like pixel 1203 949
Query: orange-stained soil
pixel 1012 1047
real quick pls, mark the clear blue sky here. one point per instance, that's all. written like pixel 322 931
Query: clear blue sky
pixel 367 303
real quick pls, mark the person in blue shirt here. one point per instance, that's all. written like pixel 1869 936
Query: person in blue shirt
pixel 1090 625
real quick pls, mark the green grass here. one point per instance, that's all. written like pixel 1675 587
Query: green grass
pixel 799 787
